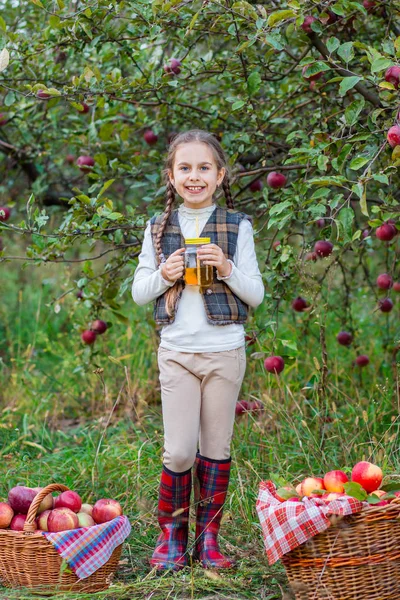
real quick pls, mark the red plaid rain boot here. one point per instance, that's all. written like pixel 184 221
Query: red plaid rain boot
pixel 211 484
pixel 173 517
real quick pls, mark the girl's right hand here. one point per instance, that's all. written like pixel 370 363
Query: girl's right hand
pixel 173 268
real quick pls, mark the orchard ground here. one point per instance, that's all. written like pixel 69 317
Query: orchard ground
pixel 89 417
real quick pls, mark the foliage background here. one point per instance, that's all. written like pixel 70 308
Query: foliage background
pixel 91 414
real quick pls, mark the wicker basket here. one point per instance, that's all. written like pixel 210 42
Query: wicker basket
pixel 27 559
pixel 357 557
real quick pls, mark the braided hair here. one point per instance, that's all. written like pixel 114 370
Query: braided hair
pixel 194 135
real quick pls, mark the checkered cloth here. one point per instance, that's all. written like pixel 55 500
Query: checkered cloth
pixel 88 548
pixel 286 525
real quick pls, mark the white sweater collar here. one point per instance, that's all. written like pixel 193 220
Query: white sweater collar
pixel 192 213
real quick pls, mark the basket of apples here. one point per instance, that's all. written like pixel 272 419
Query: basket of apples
pixel 358 555
pixel 30 560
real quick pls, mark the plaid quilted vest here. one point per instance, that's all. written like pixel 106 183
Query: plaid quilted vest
pixel 222 306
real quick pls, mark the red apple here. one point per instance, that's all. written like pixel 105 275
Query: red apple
pixel 368 475
pixel 6 515
pixel 378 493
pixel 385 305
pixel 306 24
pixel 332 496
pixel 106 509
pixel 3 119
pixel 298 488
pixel 384 281
pixel 85 108
pixel 85 163
pixel 175 65
pixel 276 180
pixel 344 338
pixel 62 519
pixel 396 286
pixel 42 520
pixel 311 256
pixel 89 336
pixel 382 503
pixel 150 137
pixel 256 406
pixel 68 499
pixel 362 360
pixel 299 304
pixel 320 223
pixel 370 5
pixel 256 186
pixel 43 95
pixel 70 159
pixel 392 75
pixel 393 136
pixel 386 232
pixel 274 364
pixel 99 326
pixel 87 508
pixel 334 480
pixel 85 520
pixel 242 406
pixel 20 498
pixel 18 522
pixel 5 213
pixel 276 244
pixel 309 484
pixel 314 77
pixel 323 248
pixel 46 503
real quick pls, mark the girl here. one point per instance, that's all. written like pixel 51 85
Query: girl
pixel 201 356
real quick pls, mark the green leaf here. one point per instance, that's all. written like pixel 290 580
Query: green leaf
pixel 392 486
pixel 382 178
pixel 253 82
pixel 381 63
pixel 274 40
pixel 346 218
pixel 373 499
pixel 277 209
pixel 353 111
pixel 332 44
pixel 286 494
pixel 238 104
pixel 317 67
pixel 346 51
pixel 105 187
pixel 279 16
pixel 38 3
pixel 325 181
pixel 3 25
pixel 355 490
pixel 348 83
pixel 359 162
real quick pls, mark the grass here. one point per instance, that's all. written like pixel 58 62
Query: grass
pixel 90 418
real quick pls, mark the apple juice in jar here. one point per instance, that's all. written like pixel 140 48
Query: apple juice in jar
pixel 196 272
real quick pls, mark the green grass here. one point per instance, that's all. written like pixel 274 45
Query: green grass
pixel 90 418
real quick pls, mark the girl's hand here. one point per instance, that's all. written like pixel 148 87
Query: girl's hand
pixel 211 254
pixel 173 268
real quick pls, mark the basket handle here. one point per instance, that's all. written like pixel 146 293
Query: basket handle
pixel 29 525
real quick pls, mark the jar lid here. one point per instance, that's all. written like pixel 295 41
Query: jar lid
pixel 197 240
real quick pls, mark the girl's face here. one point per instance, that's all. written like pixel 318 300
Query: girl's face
pixel 195 175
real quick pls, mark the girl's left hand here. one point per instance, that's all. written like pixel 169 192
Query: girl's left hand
pixel 211 254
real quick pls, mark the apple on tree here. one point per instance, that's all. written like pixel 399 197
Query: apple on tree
pixel 392 75
pixel 85 163
pixel 256 186
pixel 99 326
pixel 306 24
pixel 299 304
pixel 344 338
pixel 274 364
pixel 362 360
pixel 384 281
pixel 5 213
pixel 276 180
pixel 393 136
pixel 386 232
pixel 150 137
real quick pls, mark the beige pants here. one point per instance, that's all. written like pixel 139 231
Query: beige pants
pixel 199 391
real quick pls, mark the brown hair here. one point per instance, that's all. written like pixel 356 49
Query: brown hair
pixel 194 135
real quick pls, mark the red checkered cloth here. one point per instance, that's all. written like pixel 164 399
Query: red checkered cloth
pixel 88 548
pixel 286 525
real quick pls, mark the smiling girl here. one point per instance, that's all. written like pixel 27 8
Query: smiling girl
pixel 201 357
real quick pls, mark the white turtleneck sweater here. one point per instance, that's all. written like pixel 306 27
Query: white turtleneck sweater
pixel 190 331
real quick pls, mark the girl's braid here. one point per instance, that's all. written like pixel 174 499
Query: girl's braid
pixel 228 194
pixel 170 199
pixel 173 292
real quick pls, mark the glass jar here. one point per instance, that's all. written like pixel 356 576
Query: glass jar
pixel 196 272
